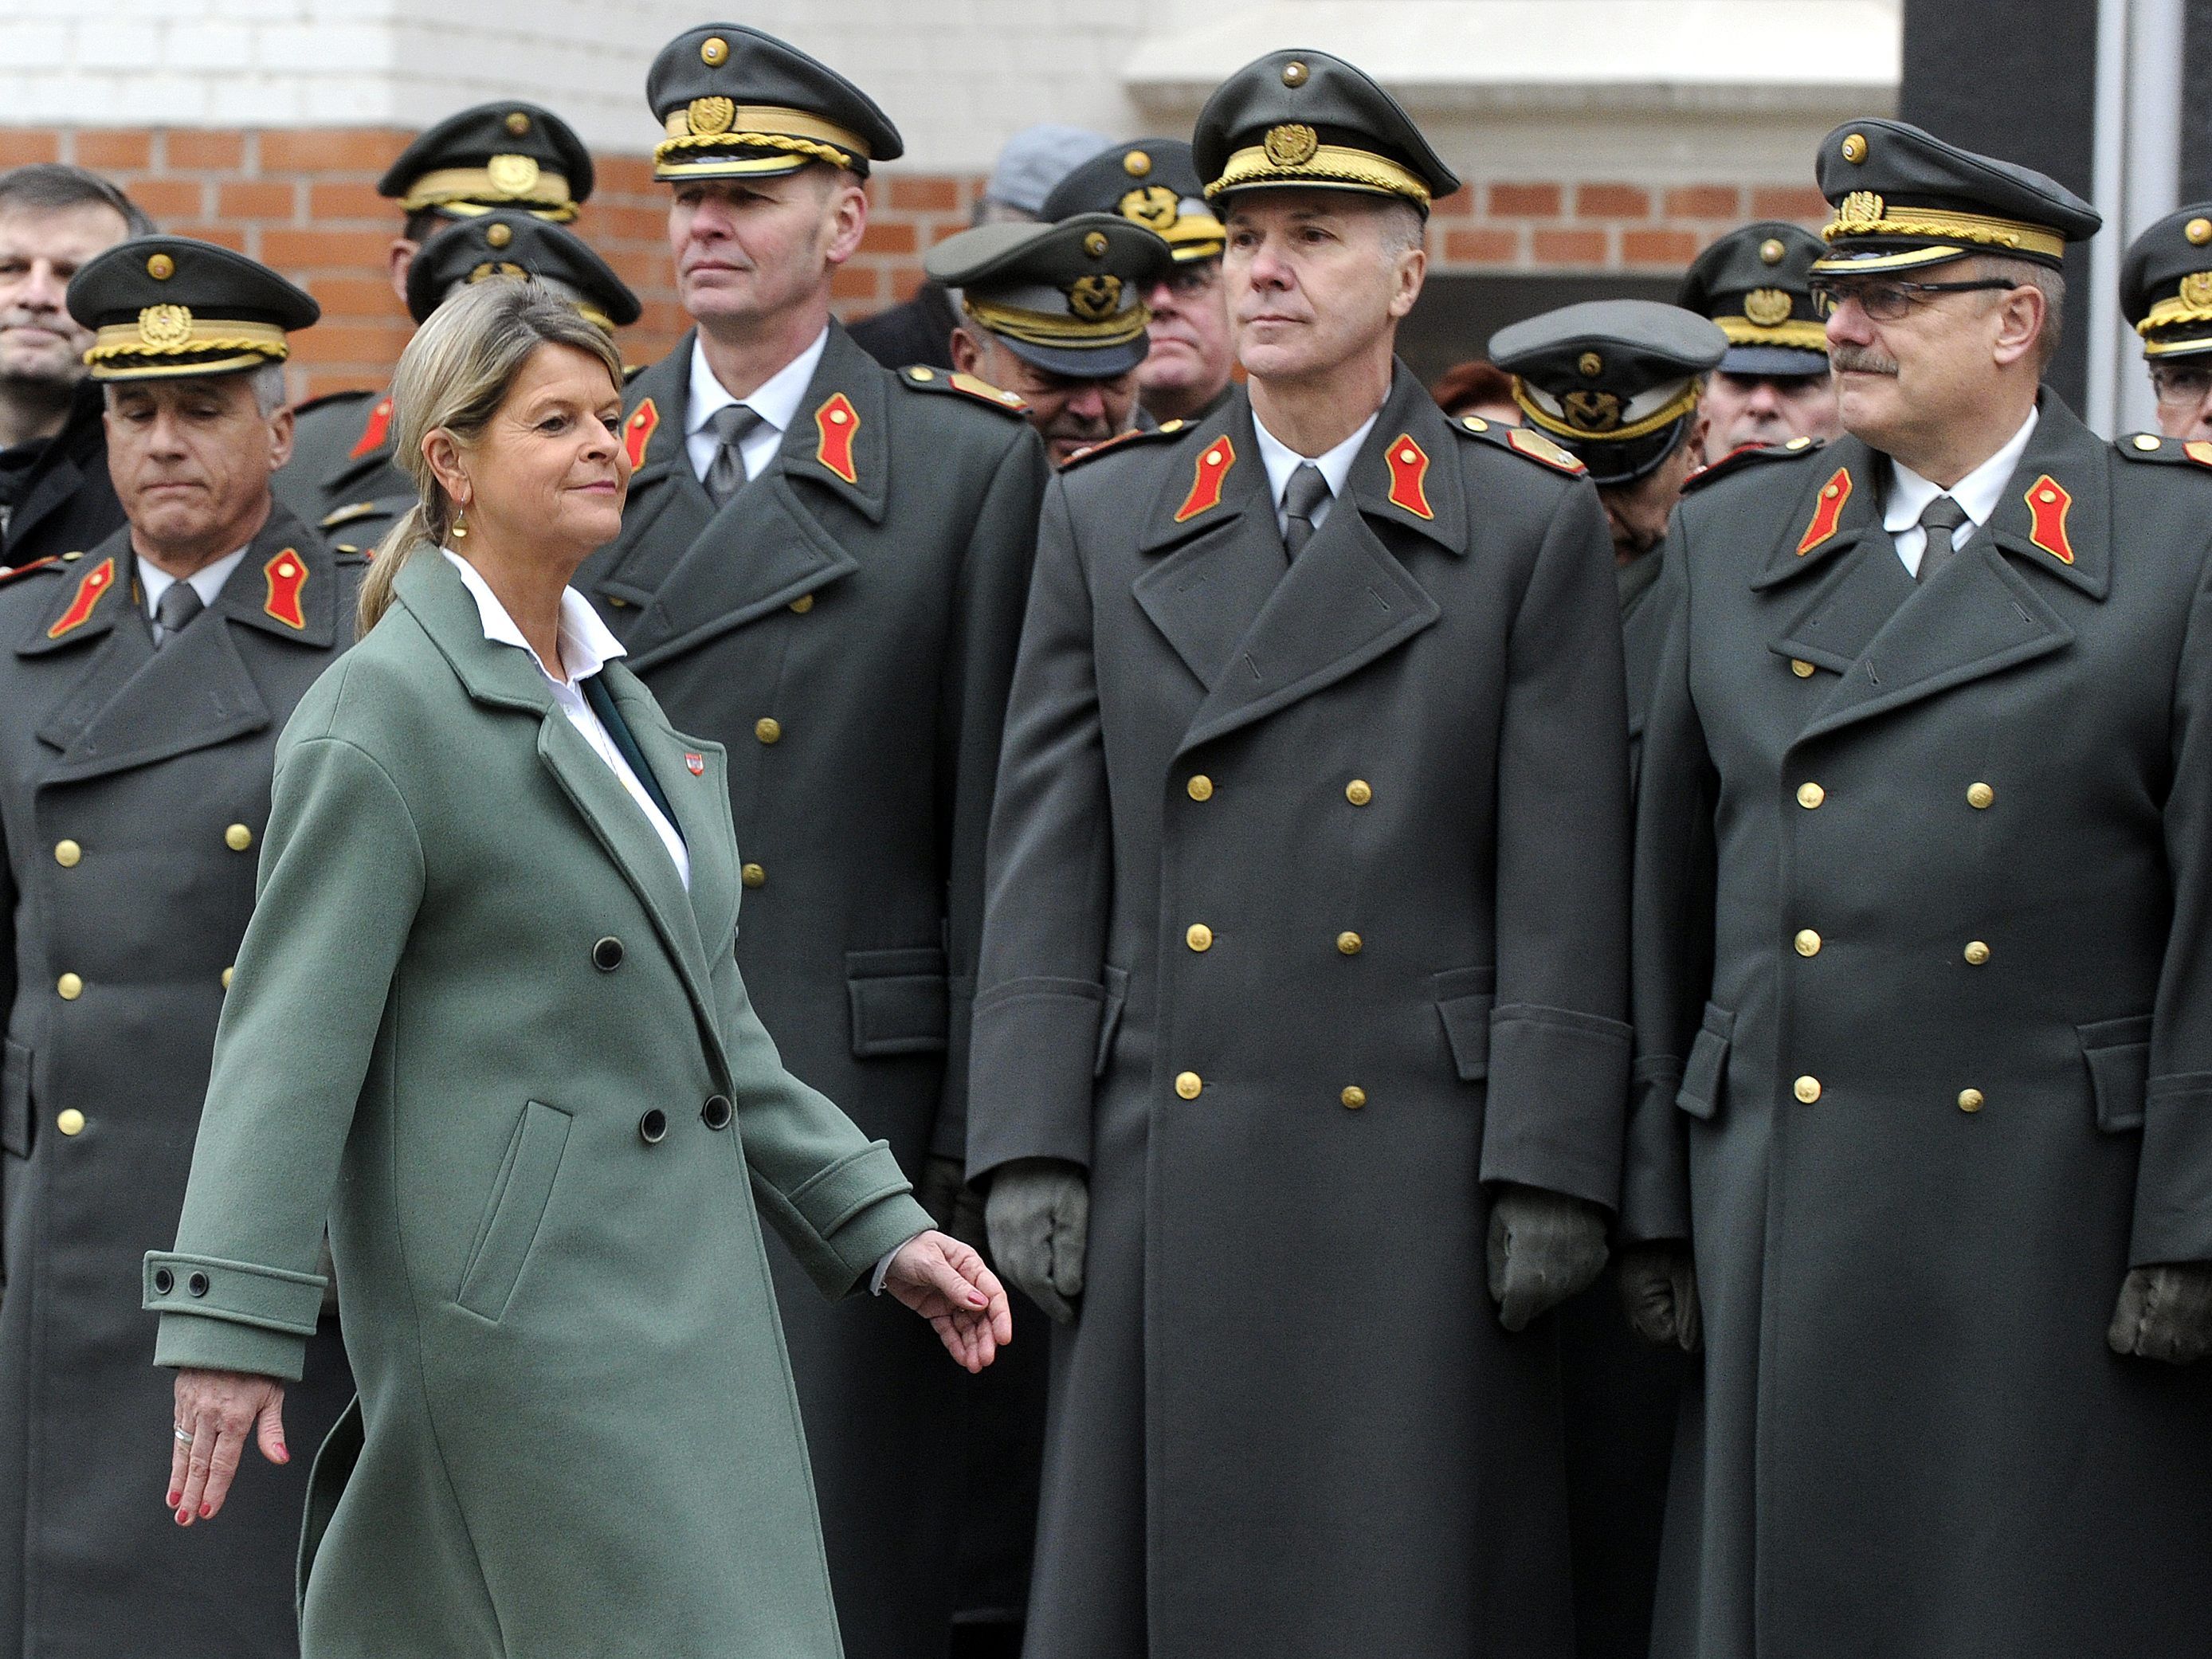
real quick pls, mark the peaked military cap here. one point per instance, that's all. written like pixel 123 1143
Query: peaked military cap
pixel 510 154
pixel 1153 181
pixel 165 306
pixel 2165 284
pixel 735 103
pixel 1614 380
pixel 1905 199
pixel 1308 119
pixel 517 245
pixel 1068 297
pixel 1755 284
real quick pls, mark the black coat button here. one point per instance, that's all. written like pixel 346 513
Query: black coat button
pixel 607 954
pixel 197 1284
pixel 164 1281
pixel 653 1128
pixel 716 1111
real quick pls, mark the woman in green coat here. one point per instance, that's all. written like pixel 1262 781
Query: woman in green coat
pixel 487 1017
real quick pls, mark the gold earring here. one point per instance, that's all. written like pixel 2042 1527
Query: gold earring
pixel 460 524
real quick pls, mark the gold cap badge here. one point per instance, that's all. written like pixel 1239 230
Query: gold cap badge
pixel 2198 231
pixel 2197 290
pixel 518 123
pixel 1771 251
pixel 513 175
pixel 1094 244
pixel 1855 149
pixel 1591 363
pixel 1095 297
pixel 165 327
pixel 1153 206
pixel 1294 74
pixel 713 51
pixel 1293 144
pixel 708 116
pixel 498 236
pixel 1136 164
pixel 1767 307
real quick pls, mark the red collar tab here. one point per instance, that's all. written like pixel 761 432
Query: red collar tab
pixel 637 432
pixel 2047 502
pixel 1409 465
pixel 97 581
pixel 1212 472
pixel 1828 509
pixel 373 434
pixel 287 574
pixel 839 423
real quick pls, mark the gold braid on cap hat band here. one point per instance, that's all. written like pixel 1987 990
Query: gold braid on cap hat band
pixel 1862 213
pixel 1798 332
pixel 1680 405
pixel 1044 328
pixel 472 191
pixel 2171 310
pixel 754 126
pixel 1329 165
pixel 244 345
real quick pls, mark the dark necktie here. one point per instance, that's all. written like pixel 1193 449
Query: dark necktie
pixel 1939 519
pixel 725 475
pixel 1302 497
pixel 179 603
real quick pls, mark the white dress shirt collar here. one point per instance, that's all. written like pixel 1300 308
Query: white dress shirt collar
pixel 1978 493
pixel 207 581
pixel 775 400
pixel 1281 460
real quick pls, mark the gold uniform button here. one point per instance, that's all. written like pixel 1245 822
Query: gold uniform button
pixel 1800 668
pixel 1357 792
pixel 1808 942
pixel 67 852
pixel 1200 786
pixel 1808 1090
pixel 803 603
pixel 69 987
pixel 2145 441
pixel 70 1121
pixel 226 977
pixel 1199 936
pixel 238 838
pixel 1349 944
pixel 1976 953
pixel 1979 795
pixel 1810 795
pixel 1188 1084
pixel 753 876
pixel 1353 1098
pixel 1969 1100
pixel 768 729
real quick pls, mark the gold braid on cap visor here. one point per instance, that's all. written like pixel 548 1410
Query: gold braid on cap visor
pixel 1862 214
pixel 2168 313
pixel 235 345
pixel 1045 328
pixel 789 132
pixel 1672 410
pixel 468 192
pixel 1798 332
pixel 1329 165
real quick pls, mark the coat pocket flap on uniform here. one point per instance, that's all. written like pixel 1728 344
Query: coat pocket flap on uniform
pixel 901 1004
pixel 1117 995
pixel 1706 1071
pixel 2118 1054
pixel 1464 998
pixel 15 1100
pixel 518 1204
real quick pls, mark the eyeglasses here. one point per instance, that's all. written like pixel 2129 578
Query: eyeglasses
pixel 1888 301
pixel 2176 382
pixel 1187 282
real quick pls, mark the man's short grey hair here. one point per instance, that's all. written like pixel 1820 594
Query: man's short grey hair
pixel 270 394
pixel 2050 284
pixel 1403 228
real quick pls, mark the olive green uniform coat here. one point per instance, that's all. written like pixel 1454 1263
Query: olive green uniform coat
pixel 343 478
pixel 1387 787
pixel 846 625
pixel 134 792
pixel 1925 1054
pixel 479 1019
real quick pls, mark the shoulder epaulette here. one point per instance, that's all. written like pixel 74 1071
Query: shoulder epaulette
pixel 2175 451
pixel 12 571
pixel 631 371
pixel 1523 440
pixel 1121 440
pixel 348 513
pixel 1746 455
pixel 330 398
pixel 920 377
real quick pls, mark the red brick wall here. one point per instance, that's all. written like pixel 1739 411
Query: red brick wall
pixel 305 202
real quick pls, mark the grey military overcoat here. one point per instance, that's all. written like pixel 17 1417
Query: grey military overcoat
pixel 1306 921
pixel 846 625
pixel 1925 1054
pixel 343 478
pixel 134 788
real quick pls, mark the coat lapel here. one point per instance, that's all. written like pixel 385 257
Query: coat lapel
pixel 1223 560
pixel 700 797
pixel 694 571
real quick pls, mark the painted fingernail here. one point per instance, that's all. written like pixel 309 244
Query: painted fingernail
pixel 184 1517
pixel 282 1456
pixel 175 1499
pixel 206 1509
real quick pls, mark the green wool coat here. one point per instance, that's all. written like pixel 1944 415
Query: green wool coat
pixel 478 1020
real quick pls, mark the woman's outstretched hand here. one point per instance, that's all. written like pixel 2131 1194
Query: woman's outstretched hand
pixel 217 1411
pixel 947 1284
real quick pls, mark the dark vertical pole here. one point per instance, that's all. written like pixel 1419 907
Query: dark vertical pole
pixel 2196 104
pixel 2017 79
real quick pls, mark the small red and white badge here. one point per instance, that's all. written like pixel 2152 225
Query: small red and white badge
pixel 698 763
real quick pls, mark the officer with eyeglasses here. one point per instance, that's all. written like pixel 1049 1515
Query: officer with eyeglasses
pixel 2165 291
pixel 1921 1156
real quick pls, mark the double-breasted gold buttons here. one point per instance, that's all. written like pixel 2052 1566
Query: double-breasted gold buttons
pixel 1353 1098
pixel 67 852
pixel 1807 1089
pixel 753 875
pixel 227 973
pixel 1359 792
pixel 1200 786
pixel 1349 944
pixel 1969 1100
pixel 1199 936
pixel 1800 668
pixel 803 603
pixel 1807 943
pixel 70 1121
pixel 1810 795
pixel 69 988
pixel 1188 1084
pixel 768 728
pixel 238 838
pixel 1979 796
pixel 1976 953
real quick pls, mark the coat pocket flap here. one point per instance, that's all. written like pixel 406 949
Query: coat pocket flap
pixel 1464 998
pixel 901 1002
pixel 517 1208
pixel 15 1100
pixel 1706 1072
pixel 2118 1054
pixel 1117 996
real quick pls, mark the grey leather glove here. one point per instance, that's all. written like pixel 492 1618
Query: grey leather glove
pixel 1544 1247
pixel 953 1204
pixel 2164 1313
pixel 1659 1289
pixel 1039 1218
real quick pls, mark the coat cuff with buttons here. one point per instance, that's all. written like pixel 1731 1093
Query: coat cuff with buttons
pixel 1558 1086
pixel 231 1316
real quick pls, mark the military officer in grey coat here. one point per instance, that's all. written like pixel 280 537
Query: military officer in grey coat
pixel 149 675
pixel 822 564
pixel 1924 1045
pixel 508 158
pixel 2165 291
pixel 1755 284
pixel 1299 1033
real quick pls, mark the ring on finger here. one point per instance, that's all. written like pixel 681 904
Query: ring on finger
pixel 183 1437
